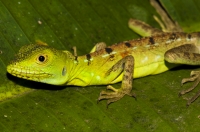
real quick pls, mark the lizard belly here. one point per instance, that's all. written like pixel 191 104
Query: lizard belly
pixel 150 69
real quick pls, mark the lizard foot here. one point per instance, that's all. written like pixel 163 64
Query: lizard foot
pixel 115 95
pixel 194 76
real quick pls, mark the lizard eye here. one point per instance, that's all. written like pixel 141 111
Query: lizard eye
pixel 42 58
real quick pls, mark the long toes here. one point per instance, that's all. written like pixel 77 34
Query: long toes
pixel 182 92
pixel 191 79
pixel 102 93
pixel 188 103
pixel 107 95
pixel 195 76
pixel 112 100
pixel 109 87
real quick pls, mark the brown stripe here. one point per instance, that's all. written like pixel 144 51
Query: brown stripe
pixel 128 44
pixel 108 50
pixel 76 58
pixel 189 36
pixel 173 36
pixel 88 57
pixel 151 40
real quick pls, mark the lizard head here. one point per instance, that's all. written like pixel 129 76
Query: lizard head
pixel 41 63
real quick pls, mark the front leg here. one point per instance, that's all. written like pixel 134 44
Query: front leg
pixel 127 64
pixel 98 46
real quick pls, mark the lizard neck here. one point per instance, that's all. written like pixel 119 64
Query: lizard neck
pixel 76 67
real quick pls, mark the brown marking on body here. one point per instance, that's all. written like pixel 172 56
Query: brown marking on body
pixel 189 36
pixel 151 40
pixel 88 57
pixel 173 36
pixel 108 50
pixel 76 58
pixel 127 44
pixel 141 44
pixel 124 54
pixel 112 57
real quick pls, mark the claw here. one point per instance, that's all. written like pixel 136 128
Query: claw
pixel 113 95
pixel 194 76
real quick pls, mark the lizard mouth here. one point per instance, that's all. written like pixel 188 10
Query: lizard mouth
pixel 28 73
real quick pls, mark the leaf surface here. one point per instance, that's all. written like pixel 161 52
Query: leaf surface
pixel 30 106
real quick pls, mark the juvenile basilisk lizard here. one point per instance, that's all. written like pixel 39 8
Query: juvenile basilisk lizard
pixel 157 52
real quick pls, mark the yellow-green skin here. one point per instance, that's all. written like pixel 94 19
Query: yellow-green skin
pixel 61 67
pixel 149 55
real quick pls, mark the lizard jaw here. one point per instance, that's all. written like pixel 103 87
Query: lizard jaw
pixel 28 73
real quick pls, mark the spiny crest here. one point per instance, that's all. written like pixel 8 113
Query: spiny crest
pixel 29 50
pixel 33 47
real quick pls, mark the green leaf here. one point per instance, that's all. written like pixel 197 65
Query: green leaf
pixel 31 106
pixel 185 12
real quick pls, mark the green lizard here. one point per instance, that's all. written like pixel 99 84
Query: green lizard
pixel 153 54
pixel 108 65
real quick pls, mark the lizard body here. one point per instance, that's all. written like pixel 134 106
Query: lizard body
pixel 93 68
pixel 108 65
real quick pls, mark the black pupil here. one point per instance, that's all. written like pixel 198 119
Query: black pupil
pixel 41 58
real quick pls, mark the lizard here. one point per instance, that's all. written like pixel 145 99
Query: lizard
pixel 155 53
